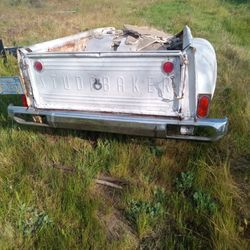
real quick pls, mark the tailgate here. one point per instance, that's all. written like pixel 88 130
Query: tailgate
pixel 117 82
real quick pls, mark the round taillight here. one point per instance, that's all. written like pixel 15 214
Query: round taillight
pixel 38 66
pixel 168 67
pixel 203 106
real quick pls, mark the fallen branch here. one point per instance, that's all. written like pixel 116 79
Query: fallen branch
pixel 106 183
pixel 112 179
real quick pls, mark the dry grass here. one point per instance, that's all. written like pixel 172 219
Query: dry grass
pixel 60 18
pixel 43 207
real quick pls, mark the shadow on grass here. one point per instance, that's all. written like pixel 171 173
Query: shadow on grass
pixel 93 136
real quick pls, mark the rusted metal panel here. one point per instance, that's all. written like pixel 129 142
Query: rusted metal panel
pixel 131 38
pixel 71 46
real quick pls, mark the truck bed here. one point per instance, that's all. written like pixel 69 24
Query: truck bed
pixel 106 70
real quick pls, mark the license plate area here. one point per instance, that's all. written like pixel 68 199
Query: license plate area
pixel 10 86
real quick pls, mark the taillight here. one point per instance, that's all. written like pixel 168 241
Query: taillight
pixel 38 66
pixel 203 106
pixel 168 67
pixel 24 101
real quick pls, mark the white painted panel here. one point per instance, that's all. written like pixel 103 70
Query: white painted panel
pixel 122 83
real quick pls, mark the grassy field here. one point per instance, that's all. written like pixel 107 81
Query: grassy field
pixel 177 195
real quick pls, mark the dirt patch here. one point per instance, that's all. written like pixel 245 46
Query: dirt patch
pixel 116 227
pixel 114 223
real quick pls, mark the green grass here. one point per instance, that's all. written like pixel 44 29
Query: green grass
pixel 181 195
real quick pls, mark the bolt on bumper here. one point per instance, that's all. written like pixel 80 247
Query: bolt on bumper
pixel 158 127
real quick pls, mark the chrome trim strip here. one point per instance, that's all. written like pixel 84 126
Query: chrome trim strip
pixel 159 53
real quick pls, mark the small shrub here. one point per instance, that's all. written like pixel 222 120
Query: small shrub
pixel 204 202
pixel 144 214
pixel 137 207
pixel 185 181
pixel 31 221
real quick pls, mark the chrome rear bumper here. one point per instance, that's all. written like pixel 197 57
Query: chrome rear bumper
pixel 160 127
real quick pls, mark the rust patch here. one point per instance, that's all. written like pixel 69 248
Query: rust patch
pixel 72 46
pixel 37 119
